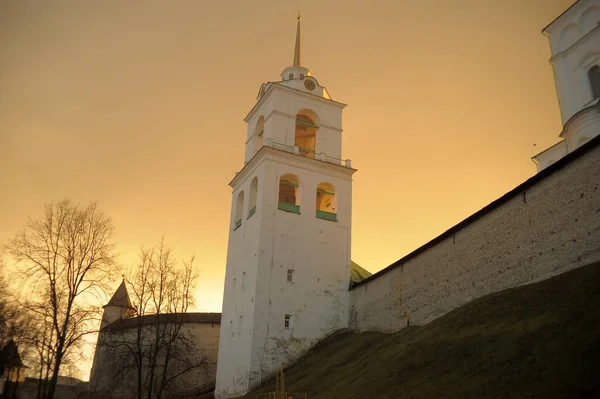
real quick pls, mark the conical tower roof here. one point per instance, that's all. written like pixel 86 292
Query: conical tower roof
pixel 120 298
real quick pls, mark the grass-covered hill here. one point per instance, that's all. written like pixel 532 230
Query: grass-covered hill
pixel 537 341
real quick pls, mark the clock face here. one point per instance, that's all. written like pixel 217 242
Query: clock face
pixel 309 84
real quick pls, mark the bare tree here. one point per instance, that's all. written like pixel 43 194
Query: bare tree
pixel 157 348
pixel 5 310
pixel 65 258
pixel 13 322
pixel 37 342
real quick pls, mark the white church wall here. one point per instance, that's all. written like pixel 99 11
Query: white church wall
pixel 582 128
pixel 575 43
pixel 279 107
pixel 265 246
pixel 318 251
pixel 539 231
pixel 239 292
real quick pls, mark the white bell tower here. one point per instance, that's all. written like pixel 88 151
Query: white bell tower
pixel 575 44
pixel 288 258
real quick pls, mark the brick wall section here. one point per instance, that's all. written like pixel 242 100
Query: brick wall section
pixel 546 226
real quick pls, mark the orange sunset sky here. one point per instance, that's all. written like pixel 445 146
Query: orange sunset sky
pixel 140 105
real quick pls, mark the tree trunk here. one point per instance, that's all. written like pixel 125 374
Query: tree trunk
pixel 140 362
pixel 154 357
pixel 45 384
pixel 163 381
pixel 40 378
pixel 57 362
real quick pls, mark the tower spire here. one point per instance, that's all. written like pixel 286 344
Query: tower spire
pixel 297 48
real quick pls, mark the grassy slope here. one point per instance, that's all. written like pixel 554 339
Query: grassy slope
pixel 540 340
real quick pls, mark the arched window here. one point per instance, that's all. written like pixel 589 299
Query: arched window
pixel 259 133
pixel 289 193
pixel 326 202
pixel 306 133
pixel 253 195
pixel 239 209
pixel 594 76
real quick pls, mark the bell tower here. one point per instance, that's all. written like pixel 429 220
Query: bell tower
pixel 575 45
pixel 288 258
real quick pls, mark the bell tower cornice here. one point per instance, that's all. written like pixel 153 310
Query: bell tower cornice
pixel 273 87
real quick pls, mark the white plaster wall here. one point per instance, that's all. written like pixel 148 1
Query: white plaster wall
pixel 280 106
pixel 544 230
pixel 551 155
pixel 112 314
pixel 268 244
pixel 253 339
pixel 205 337
pixel 239 292
pixel 582 128
pixel 575 43
pixel 318 251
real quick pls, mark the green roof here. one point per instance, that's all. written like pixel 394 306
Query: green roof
pixel 357 273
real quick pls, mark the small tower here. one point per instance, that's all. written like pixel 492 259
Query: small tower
pixel 288 256
pixel 119 307
pixel 575 44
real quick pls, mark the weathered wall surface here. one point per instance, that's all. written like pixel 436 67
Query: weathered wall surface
pixel 114 371
pixel 546 226
pixel 255 341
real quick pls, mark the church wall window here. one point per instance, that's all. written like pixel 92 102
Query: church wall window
pixel 291 76
pixel 287 321
pixel 239 209
pixel 306 133
pixel 594 77
pixel 290 275
pixel 326 202
pixel 259 134
pixel 289 193
pixel 253 196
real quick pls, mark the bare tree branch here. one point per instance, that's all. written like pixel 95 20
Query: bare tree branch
pixel 61 257
pixel 157 349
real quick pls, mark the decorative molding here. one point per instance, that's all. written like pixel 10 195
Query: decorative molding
pixel 290 159
pixel 589 59
pixel 576 43
pixel 272 89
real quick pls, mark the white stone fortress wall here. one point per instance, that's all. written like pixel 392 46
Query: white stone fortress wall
pixel 546 226
pixel 113 372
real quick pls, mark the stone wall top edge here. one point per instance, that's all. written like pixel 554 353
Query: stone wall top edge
pixel 532 181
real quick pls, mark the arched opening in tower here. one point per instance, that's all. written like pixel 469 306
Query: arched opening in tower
pixel 239 209
pixel 326 202
pixel 259 134
pixel 594 76
pixel 253 196
pixel 289 198
pixel 306 135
